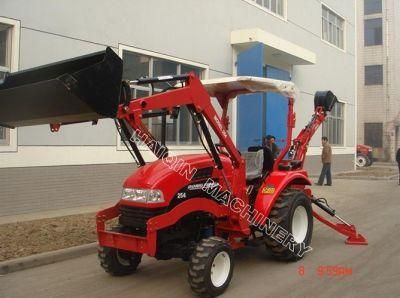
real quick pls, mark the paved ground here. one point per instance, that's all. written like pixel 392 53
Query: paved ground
pixel 372 205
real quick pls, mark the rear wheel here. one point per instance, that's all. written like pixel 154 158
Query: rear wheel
pixel 211 267
pixel 292 213
pixel 362 161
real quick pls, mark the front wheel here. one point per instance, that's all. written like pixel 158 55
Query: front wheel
pixel 291 236
pixel 211 267
pixel 118 262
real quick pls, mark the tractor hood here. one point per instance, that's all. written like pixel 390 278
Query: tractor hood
pixel 362 147
pixel 175 172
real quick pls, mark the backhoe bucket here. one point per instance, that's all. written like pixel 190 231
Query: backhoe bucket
pixel 85 88
pixel 325 99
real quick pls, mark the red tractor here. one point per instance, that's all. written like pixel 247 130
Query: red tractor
pixel 364 156
pixel 197 207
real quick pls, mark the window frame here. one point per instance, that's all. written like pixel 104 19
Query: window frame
pixel 344 29
pixel 151 54
pixel 343 117
pixel 263 8
pixel 15 25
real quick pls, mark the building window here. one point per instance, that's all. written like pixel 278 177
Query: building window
pixel 332 28
pixel 333 127
pixel 373 32
pixel 374 75
pixel 180 131
pixel 275 6
pixel 5 66
pixel 372 6
pixel 373 134
pixel 5 49
pixel 4 136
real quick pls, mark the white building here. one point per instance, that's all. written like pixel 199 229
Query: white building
pixel 378 66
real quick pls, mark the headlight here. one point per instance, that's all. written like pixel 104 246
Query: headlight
pixel 142 195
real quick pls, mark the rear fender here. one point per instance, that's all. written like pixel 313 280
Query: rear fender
pixel 271 189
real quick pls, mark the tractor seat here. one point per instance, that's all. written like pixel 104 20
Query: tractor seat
pixel 293 165
pixel 254 164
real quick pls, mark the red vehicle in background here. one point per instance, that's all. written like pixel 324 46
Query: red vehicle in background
pixel 364 156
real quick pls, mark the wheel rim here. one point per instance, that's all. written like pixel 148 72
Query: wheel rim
pixel 361 161
pixel 300 224
pixel 123 259
pixel 220 269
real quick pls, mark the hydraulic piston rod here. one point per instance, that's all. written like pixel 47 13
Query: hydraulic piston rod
pixel 328 209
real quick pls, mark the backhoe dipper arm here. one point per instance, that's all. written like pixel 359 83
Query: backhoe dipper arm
pixel 300 143
pixel 324 102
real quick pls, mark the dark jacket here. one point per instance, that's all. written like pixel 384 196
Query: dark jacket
pixel 274 149
pixel 398 156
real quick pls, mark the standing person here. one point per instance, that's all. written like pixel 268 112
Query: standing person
pixel 272 146
pixel 398 161
pixel 326 158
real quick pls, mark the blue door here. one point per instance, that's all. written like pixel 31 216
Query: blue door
pixel 276 108
pixel 260 114
pixel 250 112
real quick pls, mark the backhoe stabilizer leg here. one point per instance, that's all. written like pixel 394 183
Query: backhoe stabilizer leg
pixel 349 230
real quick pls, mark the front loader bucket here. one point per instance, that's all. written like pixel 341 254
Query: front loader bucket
pixel 81 89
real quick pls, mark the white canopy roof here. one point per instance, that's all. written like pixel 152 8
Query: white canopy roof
pixel 243 85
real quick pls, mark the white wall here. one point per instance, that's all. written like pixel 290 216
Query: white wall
pixel 198 31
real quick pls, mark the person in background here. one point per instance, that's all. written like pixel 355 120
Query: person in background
pixel 268 162
pixel 398 161
pixel 326 158
pixel 270 143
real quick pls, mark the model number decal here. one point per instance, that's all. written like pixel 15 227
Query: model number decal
pixel 268 190
pixel 181 195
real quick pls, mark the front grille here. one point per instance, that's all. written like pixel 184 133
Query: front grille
pixel 136 218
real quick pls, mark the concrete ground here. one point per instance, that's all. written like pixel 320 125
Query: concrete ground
pixel 372 205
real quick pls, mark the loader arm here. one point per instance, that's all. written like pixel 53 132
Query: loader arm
pixel 195 97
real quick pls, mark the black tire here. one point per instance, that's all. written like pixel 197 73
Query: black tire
pixel 282 214
pixel 118 262
pixel 202 263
